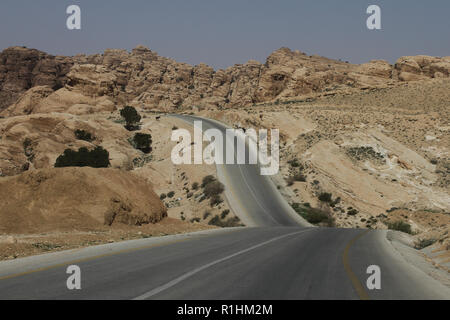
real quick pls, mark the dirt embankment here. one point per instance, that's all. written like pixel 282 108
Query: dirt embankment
pixel 61 208
pixel 76 199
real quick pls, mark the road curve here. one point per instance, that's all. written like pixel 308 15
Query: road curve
pixel 278 260
pixel 252 196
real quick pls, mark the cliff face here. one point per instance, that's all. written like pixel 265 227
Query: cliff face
pixel 143 78
pixel 22 69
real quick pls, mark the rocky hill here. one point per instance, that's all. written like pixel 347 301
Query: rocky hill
pixel 144 79
pixel 373 136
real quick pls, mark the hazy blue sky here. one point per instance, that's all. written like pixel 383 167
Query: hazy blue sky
pixel 222 33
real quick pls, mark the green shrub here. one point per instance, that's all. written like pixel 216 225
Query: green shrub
pixel 162 196
pixel 171 194
pixel 213 189
pixel 325 197
pixel 295 163
pixel 299 177
pixel 195 186
pixel 215 221
pixel 400 226
pixel 224 213
pixel 215 200
pixel 423 243
pixel 207 179
pixel 96 158
pixel 313 215
pixel 232 222
pixel 131 117
pixel 352 212
pixel 316 216
pixel 142 141
pixel 83 135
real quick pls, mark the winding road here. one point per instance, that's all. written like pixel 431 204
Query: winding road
pixel 278 257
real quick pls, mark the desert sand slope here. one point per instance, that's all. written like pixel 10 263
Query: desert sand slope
pixel 75 199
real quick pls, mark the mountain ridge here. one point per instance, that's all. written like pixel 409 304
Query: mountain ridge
pixel 143 78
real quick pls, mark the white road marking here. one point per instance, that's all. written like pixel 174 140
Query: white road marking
pixel 189 274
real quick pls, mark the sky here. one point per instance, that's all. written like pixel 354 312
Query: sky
pixel 222 33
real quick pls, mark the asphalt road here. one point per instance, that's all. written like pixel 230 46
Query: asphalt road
pixel 252 195
pixel 245 263
pixel 278 259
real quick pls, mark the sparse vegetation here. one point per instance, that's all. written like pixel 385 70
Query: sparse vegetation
pixel 224 213
pixel 313 215
pixel 46 246
pixel 28 149
pixel 423 243
pixel 83 135
pixel 296 177
pixel 207 179
pixel 96 158
pixel 295 163
pixel 229 223
pixel 206 215
pixel 325 197
pixel 162 196
pixel 170 194
pixel 131 117
pixel 215 221
pixel 400 226
pixel 213 188
pixel 215 200
pixel 364 153
pixel 142 141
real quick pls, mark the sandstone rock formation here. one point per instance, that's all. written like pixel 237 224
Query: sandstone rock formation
pixel 35 141
pixel 22 69
pixel 144 79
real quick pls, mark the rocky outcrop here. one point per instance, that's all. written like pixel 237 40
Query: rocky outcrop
pixel 35 141
pixel 144 79
pixel 422 67
pixel 22 69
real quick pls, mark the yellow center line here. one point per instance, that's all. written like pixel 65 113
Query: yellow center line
pixel 357 285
